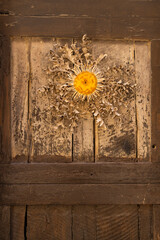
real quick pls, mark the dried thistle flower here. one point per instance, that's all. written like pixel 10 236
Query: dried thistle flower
pixel 78 83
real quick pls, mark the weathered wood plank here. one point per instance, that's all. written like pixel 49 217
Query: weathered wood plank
pixel 20 76
pixel 5 117
pixel 110 173
pixel 83 149
pixel 4 222
pixel 75 8
pixel 46 141
pixel 155 53
pixel 49 222
pixel 117 222
pixel 119 138
pixel 156 222
pixel 143 99
pixel 145 222
pixel 18 222
pixel 84 223
pixel 36 194
pixel 99 27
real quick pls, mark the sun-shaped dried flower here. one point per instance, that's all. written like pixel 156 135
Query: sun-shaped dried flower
pixel 78 83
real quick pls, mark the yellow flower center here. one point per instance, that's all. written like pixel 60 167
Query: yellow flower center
pixel 85 83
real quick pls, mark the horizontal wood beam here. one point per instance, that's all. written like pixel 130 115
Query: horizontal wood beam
pixel 112 8
pixel 35 194
pixel 80 173
pixel 68 26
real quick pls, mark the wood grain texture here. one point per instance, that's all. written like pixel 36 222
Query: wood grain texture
pixel 156 222
pixel 99 8
pixel 49 222
pixel 155 52
pixel 86 173
pixel 83 145
pixel 37 194
pixel 70 26
pixel 18 222
pixel 55 144
pixel 4 222
pixel 5 117
pixel 145 222
pixel 143 99
pixel 84 223
pixel 117 222
pixel 20 76
pixel 119 138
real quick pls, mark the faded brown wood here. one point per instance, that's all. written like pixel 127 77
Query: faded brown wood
pixel 119 138
pixel 5 150
pixel 4 222
pixel 18 222
pixel 20 77
pixel 49 222
pixel 145 222
pixel 46 141
pixel 86 173
pixel 103 8
pixel 100 8
pixel 143 99
pixel 70 26
pixel 155 53
pixel 84 223
pixel 83 148
pixel 156 222
pixel 37 194
pixel 117 222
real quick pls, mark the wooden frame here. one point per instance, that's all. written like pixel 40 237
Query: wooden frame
pixel 113 183
pixel 25 26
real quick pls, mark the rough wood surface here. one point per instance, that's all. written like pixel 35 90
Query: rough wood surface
pixel 4 222
pixel 65 25
pixel 20 77
pixel 156 222
pixel 143 99
pixel 112 8
pixel 45 140
pixel 155 62
pixel 145 222
pixel 84 223
pixel 119 138
pixel 36 194
pixel 18 222
pixel 83 148
pixel 5 150
pixel 136 173
pixel 49 222
pixel 117 222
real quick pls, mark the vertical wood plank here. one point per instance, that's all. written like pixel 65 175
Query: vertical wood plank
pixel 19 98
pixel 145 222
pixel 46 141
pixel 5 117
pixel 18 222
pixel 49 222
pixel 4 222
pixel 117 222
pixel 143 99
pixel 155 108
pixel 119 139
pixel 83 146
pixel 156 222
pixel 83 151
pixel 84 223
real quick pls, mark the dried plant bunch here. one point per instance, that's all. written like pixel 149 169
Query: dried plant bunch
pixel 78 83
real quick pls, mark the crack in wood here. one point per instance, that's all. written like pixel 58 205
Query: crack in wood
pixel 25 223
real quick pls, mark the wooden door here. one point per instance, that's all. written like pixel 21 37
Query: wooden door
pixel 96 182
